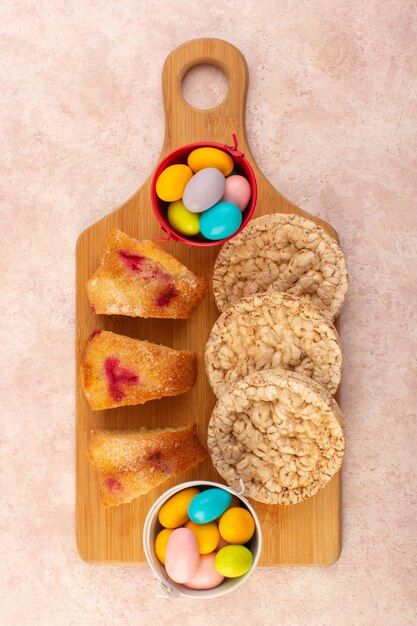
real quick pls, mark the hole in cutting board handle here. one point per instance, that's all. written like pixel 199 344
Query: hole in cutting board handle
pixel 204 86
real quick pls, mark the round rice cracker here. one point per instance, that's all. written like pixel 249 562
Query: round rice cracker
pixel 270 331
pixel 282 252
pixel 280 433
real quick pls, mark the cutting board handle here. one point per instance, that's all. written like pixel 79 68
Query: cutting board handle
pixel 186 124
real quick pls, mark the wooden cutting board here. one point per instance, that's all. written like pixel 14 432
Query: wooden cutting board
pixel 304 534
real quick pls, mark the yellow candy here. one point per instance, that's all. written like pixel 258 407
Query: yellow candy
pixel 210 157
pixel 172 182
pixel 233 561
pixel 161 543
pixel 207 536
pixel 174 512
pixel 236 525
pixel 182 219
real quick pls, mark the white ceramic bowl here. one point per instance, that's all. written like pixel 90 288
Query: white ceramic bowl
pixel 152 528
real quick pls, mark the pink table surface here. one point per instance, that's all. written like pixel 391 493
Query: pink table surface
pixel 331 120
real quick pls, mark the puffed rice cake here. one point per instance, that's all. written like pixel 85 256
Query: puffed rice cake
pixel 280 433
pixel 282 252
pixel 270 331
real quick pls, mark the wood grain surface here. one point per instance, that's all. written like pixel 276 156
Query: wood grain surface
pixel 304 534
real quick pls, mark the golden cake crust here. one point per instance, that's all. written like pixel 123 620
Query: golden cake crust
pixel 131 463
pixel 139 279
pixel 119 371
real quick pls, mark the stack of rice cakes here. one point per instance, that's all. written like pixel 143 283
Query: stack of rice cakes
pixel 274 359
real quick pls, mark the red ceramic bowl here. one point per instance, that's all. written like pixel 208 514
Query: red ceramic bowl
pixel 160 207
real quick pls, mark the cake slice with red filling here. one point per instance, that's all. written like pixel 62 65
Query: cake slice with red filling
pixel 139 279
pixel 131 463
pixel 118 370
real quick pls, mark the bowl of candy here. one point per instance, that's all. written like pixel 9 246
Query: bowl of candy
pixel 204 193
pixel 202 539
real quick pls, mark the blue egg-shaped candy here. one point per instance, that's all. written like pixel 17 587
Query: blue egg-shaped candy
pixel 221 221
pixel 208 505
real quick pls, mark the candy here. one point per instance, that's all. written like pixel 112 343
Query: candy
pixel 208 505
pixel 182 557
pixel 210 157
pixel 174 512
pixel 237 191
pixel 203 190
pixel 212 187
pixel 172 182
pixel 207 536
pixel 221 221
pixel 233 561
pixel 206 576
pixel 197 552
pixel 161 542
pixel 182 220
pixel 236 525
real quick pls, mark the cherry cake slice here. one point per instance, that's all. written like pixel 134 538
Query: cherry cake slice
pixel 117 371
pixel 140 279
pixel 131 463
